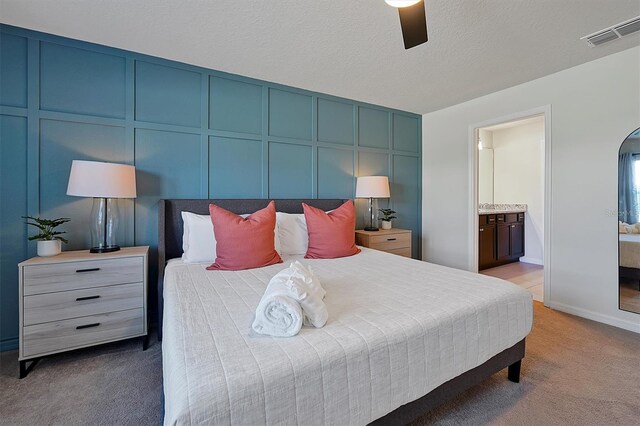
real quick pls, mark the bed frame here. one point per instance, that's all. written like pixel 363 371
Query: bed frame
pixel 170 246
pixel 630 274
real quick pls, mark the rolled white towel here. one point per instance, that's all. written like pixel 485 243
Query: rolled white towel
pixel 310 280
pixel 313 308
pixel 278 315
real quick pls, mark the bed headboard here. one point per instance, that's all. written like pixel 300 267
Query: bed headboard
pixel 170 225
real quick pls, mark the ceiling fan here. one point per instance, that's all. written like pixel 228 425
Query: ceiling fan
pixel 413 21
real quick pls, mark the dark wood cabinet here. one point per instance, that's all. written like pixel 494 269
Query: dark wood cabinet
pixel 487 244
pixel 501 239
pixel 503 242
pixel 516 236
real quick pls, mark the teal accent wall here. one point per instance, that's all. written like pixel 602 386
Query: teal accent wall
pixel 191 133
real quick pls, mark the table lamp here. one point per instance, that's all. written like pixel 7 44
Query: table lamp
pixel 372 187
pixel 105 182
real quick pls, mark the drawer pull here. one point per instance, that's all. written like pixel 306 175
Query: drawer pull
pixel 80 299
pixel 391 239
pixel 513 226
pixel 88 270
pixel 80 327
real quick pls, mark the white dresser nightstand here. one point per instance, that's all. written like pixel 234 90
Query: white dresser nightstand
pixel 78 299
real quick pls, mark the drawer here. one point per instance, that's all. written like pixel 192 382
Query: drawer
pixel 512 217
pixel 390 241
pixel 63 305
pixel 86 274
pixel 406 252
pixel 74 333
pixel 500 218
pixel 404 237
pixel 520 217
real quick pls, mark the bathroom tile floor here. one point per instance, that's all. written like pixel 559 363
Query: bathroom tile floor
pixel 525 275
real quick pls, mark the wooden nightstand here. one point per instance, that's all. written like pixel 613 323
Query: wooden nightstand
pixel 78 299
pixel 396 241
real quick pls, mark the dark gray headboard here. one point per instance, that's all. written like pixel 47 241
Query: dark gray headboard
pixel 170 225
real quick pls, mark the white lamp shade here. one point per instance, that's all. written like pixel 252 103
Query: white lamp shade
pixel 101 180
pixel 372 187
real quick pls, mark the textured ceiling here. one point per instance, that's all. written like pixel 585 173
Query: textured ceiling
pixel 348 48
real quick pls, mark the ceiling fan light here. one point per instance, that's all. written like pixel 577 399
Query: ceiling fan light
pixel 401 3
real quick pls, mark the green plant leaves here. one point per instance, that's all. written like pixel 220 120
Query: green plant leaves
pixel 387 214
pixel 46 227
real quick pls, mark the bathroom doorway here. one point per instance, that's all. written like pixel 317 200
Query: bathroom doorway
pixel 510 196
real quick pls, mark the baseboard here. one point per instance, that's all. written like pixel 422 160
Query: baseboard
pixel 531 260
pixel 606 319
pixel 9 344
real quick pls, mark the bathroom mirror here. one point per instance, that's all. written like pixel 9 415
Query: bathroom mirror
pixel 629 223
pixel 485 167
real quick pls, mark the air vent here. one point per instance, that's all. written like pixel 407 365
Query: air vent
pixel 614 32
pixel 629 28
pixel 601 38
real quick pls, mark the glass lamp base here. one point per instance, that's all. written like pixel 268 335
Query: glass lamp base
pixel 107 249
pixel 369 228
pixel 104 225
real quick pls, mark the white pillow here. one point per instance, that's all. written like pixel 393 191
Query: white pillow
pixel 198 239
pixel 291 234
pixel 199 242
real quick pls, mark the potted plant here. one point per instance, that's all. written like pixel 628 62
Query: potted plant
pixel 49 240
pixel 387 216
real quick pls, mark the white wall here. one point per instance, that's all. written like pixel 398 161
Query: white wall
pixel 594 106
pixel 518 172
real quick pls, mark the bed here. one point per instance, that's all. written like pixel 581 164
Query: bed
pixel 629 256
pixel 403 336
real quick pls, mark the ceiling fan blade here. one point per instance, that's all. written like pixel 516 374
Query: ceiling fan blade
pixel 413 21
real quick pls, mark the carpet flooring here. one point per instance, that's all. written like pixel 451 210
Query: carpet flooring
pixel 576 372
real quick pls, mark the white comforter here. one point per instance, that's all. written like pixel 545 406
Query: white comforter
pixel 397 329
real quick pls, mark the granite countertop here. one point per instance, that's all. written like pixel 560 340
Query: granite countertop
pixel 501 208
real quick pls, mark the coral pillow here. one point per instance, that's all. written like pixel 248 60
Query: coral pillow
pixel 331 234
pixel 244 243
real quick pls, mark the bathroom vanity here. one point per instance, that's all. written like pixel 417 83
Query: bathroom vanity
pixel 501 236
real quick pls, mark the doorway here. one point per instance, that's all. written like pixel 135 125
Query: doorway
pixel 510 200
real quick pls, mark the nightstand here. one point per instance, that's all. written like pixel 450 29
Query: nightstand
pixel 396 241
pixel 79 299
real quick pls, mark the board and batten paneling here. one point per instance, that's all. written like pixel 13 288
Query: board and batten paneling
pixel 191 133
pixel 13 234
pixel 13 69
pixel 233 161
pixel 81 81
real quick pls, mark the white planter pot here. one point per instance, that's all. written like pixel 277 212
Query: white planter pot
pixel 386 224
pixel 48 248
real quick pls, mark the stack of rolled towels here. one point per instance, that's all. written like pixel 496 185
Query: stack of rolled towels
pixel 293 298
